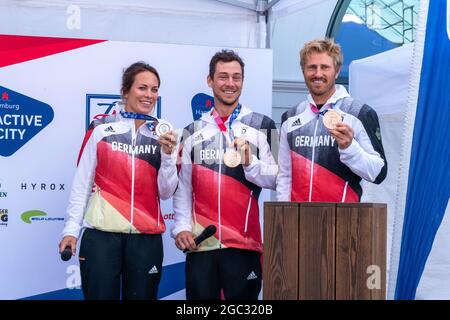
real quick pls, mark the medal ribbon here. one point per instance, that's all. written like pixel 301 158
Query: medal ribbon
pixel 318 112
pixel 322 113
pixel 140 116
pixel 221 124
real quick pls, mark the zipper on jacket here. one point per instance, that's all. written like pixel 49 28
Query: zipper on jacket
pixel 248 211
pixel 159 209
pixel 345 191
pixel 218 197
pixel 102 212
pixel 312 160
pixel 133 144
pixel 193 208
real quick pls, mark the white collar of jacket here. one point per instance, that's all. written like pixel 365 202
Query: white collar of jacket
pixel 210 119
pixel 339 94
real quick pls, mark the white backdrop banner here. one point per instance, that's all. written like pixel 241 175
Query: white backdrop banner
pixel 50 89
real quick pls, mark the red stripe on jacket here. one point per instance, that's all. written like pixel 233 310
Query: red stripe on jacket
pixel 327 186
pixel 234 203
pixel 113 177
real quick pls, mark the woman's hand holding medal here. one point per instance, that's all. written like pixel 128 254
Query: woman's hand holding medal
pixel 168 141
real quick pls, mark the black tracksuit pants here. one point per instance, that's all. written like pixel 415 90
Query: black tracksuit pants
pixel 237 272
pixel 120 265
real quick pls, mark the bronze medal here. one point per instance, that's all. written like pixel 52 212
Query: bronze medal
pixel 232 158
pixel 331 119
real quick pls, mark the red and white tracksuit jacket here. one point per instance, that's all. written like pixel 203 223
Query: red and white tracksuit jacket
pixel 313 168
pixel 210 193
pixel 129 173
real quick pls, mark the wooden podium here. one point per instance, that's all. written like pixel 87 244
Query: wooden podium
pixel 324 250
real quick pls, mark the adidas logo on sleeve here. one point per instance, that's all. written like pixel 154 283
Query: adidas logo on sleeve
pixel 110 129
pixel 296 123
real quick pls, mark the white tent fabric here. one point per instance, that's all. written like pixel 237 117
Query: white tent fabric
pixel 382 81
pixel 221 23
pixel 196 22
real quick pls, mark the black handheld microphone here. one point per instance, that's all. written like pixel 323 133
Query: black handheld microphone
pixel 66 254
pixel 206 233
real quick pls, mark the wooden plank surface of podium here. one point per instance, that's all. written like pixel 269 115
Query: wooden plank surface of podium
pixel 280 266
pixel 324 250
pixel 361 251
pixel 316 251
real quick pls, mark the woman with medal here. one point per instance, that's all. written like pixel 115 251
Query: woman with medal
pixel 126 165
pixel 226 161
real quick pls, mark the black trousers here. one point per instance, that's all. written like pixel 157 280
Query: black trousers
pixel 112 261
pixel 236 271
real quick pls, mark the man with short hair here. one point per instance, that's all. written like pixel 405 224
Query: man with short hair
pixel 329 142
pixel 226 160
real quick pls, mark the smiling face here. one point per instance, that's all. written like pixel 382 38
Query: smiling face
pixel 226 84
pixel 320 76
pixel 142 96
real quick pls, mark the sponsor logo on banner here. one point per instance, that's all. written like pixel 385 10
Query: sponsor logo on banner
pixel 200 104
pixel 102 105
pixel 168 216
pixel 3 217
pixel 37 215
pixel 21 118
pixel 39 186
pixel 3 193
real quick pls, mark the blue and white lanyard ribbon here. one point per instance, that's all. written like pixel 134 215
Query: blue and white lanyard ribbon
pixel 221 124
pixel 140 116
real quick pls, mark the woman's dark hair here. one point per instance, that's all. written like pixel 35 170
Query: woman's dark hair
pixel 130 74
